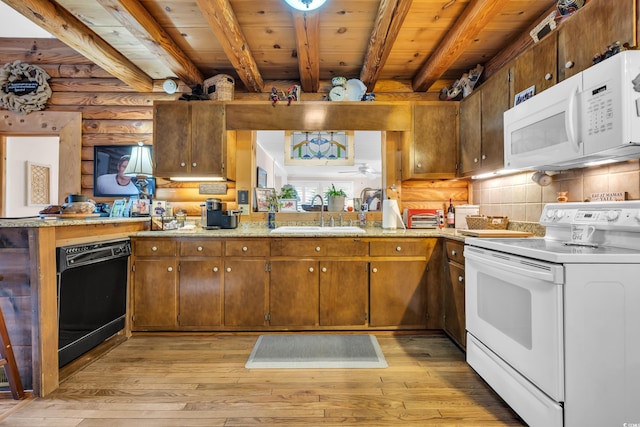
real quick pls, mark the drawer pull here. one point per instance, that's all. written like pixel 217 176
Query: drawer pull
pixel 182 164
pixel 170 269
pixel 194 164
pixel 454 253
pixel 245 249
pixel 476 160
pixel 568 64
pixel 228 269
pixel 460 279
pixel 200 248
pixel 310 269
pixel 548 76
pixel 317 248
pixel 398 248
pixel 324 269
pixel 374 270
pixel 215 269
pixel 154 248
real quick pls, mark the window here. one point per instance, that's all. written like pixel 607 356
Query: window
pixel 308 189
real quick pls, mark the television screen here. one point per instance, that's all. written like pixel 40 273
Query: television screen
pixel 109 180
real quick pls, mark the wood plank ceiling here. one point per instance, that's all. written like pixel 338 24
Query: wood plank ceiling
pixel 420 45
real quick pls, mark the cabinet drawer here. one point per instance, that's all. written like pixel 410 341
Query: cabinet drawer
pixel 319 247
pixel 154 247
pixel 247 248
pixel 399 247
pixel 205 248
pixel 454 251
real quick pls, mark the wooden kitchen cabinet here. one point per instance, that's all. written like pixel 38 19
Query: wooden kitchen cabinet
pixel 344 293
pixel 154 284
pixel 481 125
pixel 590 30
pixel 294 293
pixel 432 153
pixel 454 305
pixel 536 66
pixel 398 283
pixel 189 139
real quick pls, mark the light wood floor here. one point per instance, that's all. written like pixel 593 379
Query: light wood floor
pixel 201 381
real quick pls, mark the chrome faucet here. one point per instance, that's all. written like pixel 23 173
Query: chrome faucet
pixel 321 207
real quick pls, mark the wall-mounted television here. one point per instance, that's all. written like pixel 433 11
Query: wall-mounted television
pixel 109 180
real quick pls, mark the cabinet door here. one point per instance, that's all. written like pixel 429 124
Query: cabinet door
pixel 154 293
pixel 435 141
pixel 454 317
pixel 495 101
pixel 344 293
pixel 208 139
pixel 471 132
pixel 199 291
pixel 591 30
pixel 536 67
pixel 398 293
pixel 294 293
pixel 245 285
pixel 171 136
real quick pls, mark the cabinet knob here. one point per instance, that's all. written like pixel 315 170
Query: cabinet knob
pixel 245 249
pixel 317 248
pixel 170 269
pixel 476 160
pixel 419 165
pixel 154 248
pixel 215 269
pixel 324 269
pixel 194 164
pixel 548 76
pixel 374 270
pixel 398 248
pixel 484 157
pixel 200 248
pixel 454 253
pixel 569 64
pixel 182 164
pixel 228 269
pixel 460 279
pixel 310 269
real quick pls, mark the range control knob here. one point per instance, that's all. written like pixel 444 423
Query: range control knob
pixel 612 215
pixel 560 214
pixel 551 213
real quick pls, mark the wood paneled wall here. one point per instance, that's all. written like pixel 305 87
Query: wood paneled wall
pixel 115 114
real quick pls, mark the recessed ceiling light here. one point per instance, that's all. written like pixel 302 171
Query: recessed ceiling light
pixel 305 5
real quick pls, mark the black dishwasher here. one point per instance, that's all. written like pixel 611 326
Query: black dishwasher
pixel 92 295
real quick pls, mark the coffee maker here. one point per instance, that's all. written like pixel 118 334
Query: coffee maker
pixel 214 218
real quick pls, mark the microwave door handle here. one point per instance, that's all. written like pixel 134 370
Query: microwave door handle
pixel 571 118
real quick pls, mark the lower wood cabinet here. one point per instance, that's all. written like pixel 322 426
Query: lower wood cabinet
pixel 344 292
pixel 454 306
pixel 199 292
pixel 245 292
pixel 155 293
pixel 294 293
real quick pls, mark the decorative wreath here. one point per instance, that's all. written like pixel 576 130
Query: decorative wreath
pixel 23 87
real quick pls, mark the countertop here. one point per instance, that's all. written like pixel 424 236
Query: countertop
pixel 252 229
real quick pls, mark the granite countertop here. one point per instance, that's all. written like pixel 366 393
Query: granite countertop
pixel 252 229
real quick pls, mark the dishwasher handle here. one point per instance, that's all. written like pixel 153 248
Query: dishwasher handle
pixel 553 273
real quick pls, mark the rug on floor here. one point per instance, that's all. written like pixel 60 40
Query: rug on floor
pixel 293 351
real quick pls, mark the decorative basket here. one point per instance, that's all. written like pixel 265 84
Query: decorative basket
pixel 219 87
pixel 476 222
pixel 497 222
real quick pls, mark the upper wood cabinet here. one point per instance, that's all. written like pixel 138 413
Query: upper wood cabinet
pixel 432 153
pixel 481 125
pixel 536 67
pixel 591 30
pixel 189 139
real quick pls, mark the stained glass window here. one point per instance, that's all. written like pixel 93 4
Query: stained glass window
pixel 319 148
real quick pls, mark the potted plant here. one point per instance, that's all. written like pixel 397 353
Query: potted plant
pixel 335 199
pixel 288 199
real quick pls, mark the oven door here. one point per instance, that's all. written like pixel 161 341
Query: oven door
pixel 514 308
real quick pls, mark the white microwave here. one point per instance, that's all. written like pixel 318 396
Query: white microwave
pixel 593 116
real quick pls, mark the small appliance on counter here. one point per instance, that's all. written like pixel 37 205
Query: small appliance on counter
pixel 421 218
pixel 461 214
pixel 214 218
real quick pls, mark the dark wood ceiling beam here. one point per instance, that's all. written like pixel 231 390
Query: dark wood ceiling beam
pixel 225 26
pixel 139 22
pixel 389 19
pixel 72 32
pixel 475 17
pixel 307 25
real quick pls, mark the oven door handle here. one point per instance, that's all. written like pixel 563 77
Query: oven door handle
pixel 546 272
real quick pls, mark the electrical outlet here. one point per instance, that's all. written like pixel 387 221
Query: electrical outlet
pixel 244 209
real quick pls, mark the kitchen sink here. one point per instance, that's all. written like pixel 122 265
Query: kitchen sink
pixel 310 229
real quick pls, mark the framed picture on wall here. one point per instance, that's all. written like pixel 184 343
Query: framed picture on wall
pixel 264 198
pixel 109 164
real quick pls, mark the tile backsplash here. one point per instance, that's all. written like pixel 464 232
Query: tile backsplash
pixel 519 198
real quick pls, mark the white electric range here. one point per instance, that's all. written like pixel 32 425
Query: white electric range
pixel 553 323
